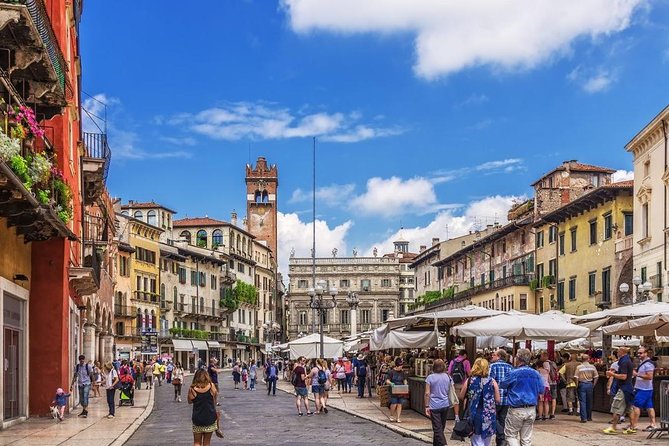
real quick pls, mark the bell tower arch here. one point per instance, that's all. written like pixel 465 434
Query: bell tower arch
pixel 262 183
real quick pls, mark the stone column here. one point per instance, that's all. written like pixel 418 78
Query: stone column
pixel 354 320
pixel 89 342
pixel 98 345
pixel 107 346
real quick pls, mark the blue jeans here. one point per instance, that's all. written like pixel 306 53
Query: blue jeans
pixel 83 395
pixel 349 381
pixel 585 400
pixel 110 400
pixel 271 386
pixel 361 386
pixel 253 383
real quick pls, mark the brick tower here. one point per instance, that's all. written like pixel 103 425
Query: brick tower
pixel 261 188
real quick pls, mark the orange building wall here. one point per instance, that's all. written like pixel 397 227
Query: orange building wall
pixel 14 255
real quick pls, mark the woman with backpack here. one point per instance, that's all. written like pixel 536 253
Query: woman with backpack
pixel 318 377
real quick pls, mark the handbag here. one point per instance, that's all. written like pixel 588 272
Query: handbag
pixel 176 381
pixel 399 389
pixel 452 395
pixel 465 427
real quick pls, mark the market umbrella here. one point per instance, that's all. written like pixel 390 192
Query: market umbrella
pixel 309 347
pixel 655 325
pixel 646 308
pixel 517 325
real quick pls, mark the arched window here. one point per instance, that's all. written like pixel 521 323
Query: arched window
pixel 153 319
pixel 265 197
pixel 162 295
pixel 118 301
pixel 201 238
pixel 185 235
pixel 175 295
pixel 151 218
pixel 140 319
pixel 217 238
pixel 239 243
pixel 244 245
pixel 125 212
pixel 138 215
pixel 257 197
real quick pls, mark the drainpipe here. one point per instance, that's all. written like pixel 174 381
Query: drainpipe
pixel 664 132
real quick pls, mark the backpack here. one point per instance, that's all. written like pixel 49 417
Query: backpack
pixel 89 369
pixel 322 376
pixel 362 368
pixel 458 374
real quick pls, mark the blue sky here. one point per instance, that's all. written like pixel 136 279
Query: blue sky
pixel 429 115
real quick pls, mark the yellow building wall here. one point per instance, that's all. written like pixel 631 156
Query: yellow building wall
pixel 495 299
pixel 15 257
pixel 148 238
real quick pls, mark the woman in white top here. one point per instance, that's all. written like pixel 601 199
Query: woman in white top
pixel 177 380
pixel 110 384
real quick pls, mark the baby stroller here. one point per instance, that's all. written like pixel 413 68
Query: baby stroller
pixel 127 390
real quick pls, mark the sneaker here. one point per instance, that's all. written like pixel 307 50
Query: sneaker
pixel 629 431
pixel 551 417
pixel 179 399
pixel 309 414
pixel 325 409
pixel 610 431
pixel 110 416
pixel 649 429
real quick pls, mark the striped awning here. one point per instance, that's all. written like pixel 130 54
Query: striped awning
pixel 213 344
pixel 182 345
pixel 200 345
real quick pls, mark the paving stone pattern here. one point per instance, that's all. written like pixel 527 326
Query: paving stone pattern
pixel 253 418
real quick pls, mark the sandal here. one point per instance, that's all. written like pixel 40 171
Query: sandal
pixel 300 413
pixel 649 429
pixel 218 433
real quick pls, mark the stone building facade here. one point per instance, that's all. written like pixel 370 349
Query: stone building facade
pixel 262 184
pixel 376 281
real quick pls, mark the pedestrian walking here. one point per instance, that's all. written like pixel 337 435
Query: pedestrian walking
pixel 567 372
pixel 545 397
pixel 437 400
pixel 202 395
pixel 177 380
pixel 624 392
pixel 396 377
pixel 213 370
pixel 361 372
pixel 271 377
pixel 112 379
pixel 459 369
pixel 499 370
pixel 157 374
pixel 148 375
pixel 236 375
pixel 97 379
pixel 83 376
pixel 138 369
pixel 59 402
pixel 340 375
pixel 523 386
pixel 168 374
pixel 553 378
pixel 482 395
pixel 586 374
pixel 253 375
pixel 245 376
pixel 327 386
pixel 299 381
pixel 348 366
pixel 643 390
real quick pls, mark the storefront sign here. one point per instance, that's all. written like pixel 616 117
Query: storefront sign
pixel 149 342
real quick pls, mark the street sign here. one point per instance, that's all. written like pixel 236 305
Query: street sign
pixel 149 342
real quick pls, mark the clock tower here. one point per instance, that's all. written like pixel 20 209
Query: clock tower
pixel 261 213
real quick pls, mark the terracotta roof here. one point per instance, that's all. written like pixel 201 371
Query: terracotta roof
pixel 145 205
pixel 577 167
pixel 621 184
pixel 197 221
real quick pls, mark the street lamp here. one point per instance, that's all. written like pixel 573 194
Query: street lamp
pixel 320 305
pixel 642 290
pixel 353 301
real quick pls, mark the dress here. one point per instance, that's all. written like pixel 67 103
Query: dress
pixel 204 412
pixel 482 413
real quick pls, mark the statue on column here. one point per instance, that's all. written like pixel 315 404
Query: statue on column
pixel 292 252
pixel 334 252
pixel 376 252
pixel 355 252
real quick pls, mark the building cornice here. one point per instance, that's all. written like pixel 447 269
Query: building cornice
pixel 650 135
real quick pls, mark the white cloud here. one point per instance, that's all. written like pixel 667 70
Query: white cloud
pixel 592 80
pixel 447 224
pixel 473 99
pixel 506 165
pixel 622 175
pixel 454 35
pixel 296 234
pixel 489 167
pixel 179 141
pixel 395 196
pixel 332 195
pixel 240 120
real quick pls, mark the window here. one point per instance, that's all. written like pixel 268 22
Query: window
pixel 523 302
pixel 592 283
pixel 561 243
pixel 385 313
pixel 552 268
pixel 608 226
pixel 175 295
pixel 540 239
pixel 658 282
pixel 365 285
pixel 303 283
pixel 324 316
pixel 645 216
pixel 344 283
pixel 343 317
pixel 560 295
pixel 572 233
pixel 303 318
pixel 151 218
pixel 364 316
pixel 138 215
pixel 540 271
pixel 182 275
pixel 492 276
pixel 552 234
pixel 629 223
pixel 482 279
pixel 201 238
pixel 163 292
pixel 593 232
pixel 123 266
pixel 193 277
pixel 594 179
pixel 240 267
pixel 504 271
pixel 606 285
pixel 522 237
pixel 385 283
pixel 644 275
pixel 203 279
pixel 504 247
pixel 572 288
pixel 217 238
pixel 213 282
pixel 185 235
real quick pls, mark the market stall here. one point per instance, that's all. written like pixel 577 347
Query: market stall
pixel 309 347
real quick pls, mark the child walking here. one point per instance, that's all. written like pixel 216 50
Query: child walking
pixel 60 401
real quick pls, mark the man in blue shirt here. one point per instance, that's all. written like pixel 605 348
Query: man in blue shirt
pixel 523 387
pixel 500 369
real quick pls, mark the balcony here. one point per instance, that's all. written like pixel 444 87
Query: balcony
pixel 31 55
pixel 166 305
pixel 124 311
pixel 86 279
pixel 229 278
pixel 146 296
pixel 95 164
pixel 516 280
pixel 218 336
pixel 624 244
pixel 655 282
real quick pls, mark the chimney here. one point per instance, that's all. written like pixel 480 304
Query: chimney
pixel 233 218
pixel 245 224
pixel 422 248
pixel 435 240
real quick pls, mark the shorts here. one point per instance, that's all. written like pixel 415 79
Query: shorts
pixel 301 391
pixel 546 396
pixel 396 400
pixel 205 429
pixel 554 391
pixel 236 376
pixel 571 394
pixel 643 399
pixel 618 405
pixel 317 389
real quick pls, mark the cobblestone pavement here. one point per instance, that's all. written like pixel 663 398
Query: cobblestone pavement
pixel 253 418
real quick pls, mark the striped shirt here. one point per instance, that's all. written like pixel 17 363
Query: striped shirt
pixel 586 372
pixel 499 371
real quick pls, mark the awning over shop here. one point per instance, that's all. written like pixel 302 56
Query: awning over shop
pixel 213 344
pixel 241 347
pixel 200 345
pixel 182 345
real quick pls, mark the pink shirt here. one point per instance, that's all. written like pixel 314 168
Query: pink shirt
pixel 466 364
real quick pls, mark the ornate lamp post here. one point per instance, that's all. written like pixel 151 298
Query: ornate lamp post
pixel 353 301
pixel 320 305
pixel 642 290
